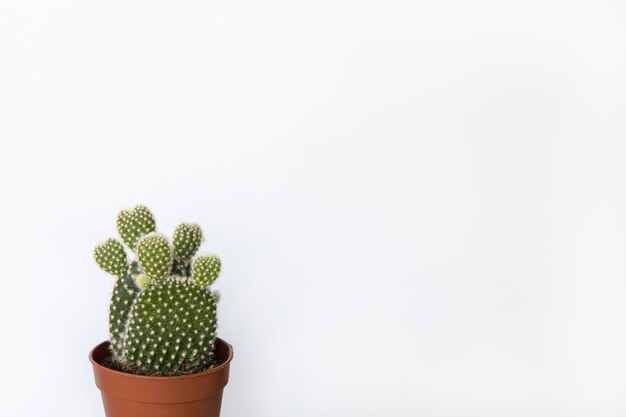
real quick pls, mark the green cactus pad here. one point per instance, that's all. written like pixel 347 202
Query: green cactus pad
pixel 111 257
pixel 122 301
pixel 172 328
pixel 187 239
pixel 155 256
pixel 205 269
pixel 133 223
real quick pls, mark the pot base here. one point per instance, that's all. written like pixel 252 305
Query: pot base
pixel 193 395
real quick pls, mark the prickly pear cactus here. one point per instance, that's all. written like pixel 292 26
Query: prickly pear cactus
pixel 162 316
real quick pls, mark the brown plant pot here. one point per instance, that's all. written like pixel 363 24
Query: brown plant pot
pixel 193 395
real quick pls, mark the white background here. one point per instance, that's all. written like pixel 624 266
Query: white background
pixel 420 206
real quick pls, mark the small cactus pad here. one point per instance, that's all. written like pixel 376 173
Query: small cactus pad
pixel 205 269
pixel 134 223
pixel 187 239
pixel 172 328
pixel 142 280
pixel 111 257
pixel 154 255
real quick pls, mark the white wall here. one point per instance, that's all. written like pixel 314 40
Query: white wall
pixel 420 206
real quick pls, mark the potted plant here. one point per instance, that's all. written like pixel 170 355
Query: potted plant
pixel 163 358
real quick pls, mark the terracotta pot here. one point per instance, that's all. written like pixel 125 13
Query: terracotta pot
pixel 194 395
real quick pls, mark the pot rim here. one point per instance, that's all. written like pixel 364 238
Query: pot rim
pixel 163 378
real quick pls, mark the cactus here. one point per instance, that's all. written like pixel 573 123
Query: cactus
pixel 162 316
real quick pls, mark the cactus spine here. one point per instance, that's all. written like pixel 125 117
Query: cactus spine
pixel 162 316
